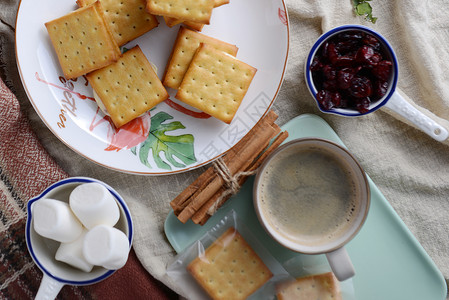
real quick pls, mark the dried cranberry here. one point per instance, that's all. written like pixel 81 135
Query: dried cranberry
pixel 344 78
pixel 380 88
pixel 324 50
pixel 350 35
pixel 338 60
pixel 347 46
pixel 325 99
pixel 344 61
pixel 316 64
pixel 357 69
pixel 367 56
pixel 364 54
pixel 329 72
pixel 361 87
pixel 344 102
pixel 330 85
pixel 362 105
pixel 383 70
pixel 336 99
pixel 371 41
pixel 332 53
pixel 375 59
pixel 328 100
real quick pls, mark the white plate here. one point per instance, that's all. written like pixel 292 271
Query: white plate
pixel 258 27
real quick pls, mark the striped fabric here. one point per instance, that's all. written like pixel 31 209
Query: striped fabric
pixel 26 169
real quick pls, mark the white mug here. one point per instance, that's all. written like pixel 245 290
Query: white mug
pixel 312 196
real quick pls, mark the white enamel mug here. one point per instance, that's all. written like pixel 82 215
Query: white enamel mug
pixel 392 99
pixel 56 274
pixel 276 209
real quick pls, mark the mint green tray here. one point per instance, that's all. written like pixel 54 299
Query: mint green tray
pixel 389 261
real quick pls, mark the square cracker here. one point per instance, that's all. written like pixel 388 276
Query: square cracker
pixel 126 19
pixel 129 87
pixel 218 3
pixel 323 286
pixel 186 44
pixel 216 83
pixel 229 268
pixel 188 10
pixel 194 25
pixel 83 41
pixel 172 22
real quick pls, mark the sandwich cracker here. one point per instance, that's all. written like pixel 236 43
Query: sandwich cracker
pixel 129 87
pixel 229 268
pixel 83 41
pixel 216 83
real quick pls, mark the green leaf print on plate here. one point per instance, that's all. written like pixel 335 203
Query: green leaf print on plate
pixel 180 146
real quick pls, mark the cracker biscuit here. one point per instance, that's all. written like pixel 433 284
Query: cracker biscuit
pixel 83 41
pixel 216 83
pixel 186 44
pixel 129 87
pixel 194 25
pixel 127 19
pixel 323 286
pixel 173 22
pixel 229 268
pixel 188 10
pixel 218 3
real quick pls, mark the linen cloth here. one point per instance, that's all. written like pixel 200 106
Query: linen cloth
pixel 408 167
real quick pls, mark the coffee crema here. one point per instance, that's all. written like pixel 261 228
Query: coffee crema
pixel 307 195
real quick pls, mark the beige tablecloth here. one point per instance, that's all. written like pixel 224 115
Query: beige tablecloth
pixel 408 167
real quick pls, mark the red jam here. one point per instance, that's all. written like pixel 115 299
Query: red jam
pixel 350 70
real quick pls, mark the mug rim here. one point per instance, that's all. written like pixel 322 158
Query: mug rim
pixel 324 248
pixel 28 225
pixel 343 111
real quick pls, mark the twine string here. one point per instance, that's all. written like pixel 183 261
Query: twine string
pixel 230 182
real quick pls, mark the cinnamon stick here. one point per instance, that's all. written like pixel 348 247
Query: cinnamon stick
pixel 183 199
pixel 258 140
pixel 203 214
pixel 253 165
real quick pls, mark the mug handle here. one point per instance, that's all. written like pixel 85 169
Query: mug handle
pixel 341 264
pixel 398 104
pixel 49 288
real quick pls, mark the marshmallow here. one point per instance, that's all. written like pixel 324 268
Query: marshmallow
pixel 72 254
pixel 53 219
pixel 106 246
pixel 94 205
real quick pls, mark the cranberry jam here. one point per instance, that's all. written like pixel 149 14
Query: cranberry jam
pixel 351 70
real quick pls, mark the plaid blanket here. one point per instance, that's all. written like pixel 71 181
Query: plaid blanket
pixel 26 169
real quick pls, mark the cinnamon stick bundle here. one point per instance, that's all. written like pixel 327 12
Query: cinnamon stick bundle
pixel 211 189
